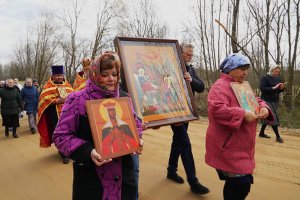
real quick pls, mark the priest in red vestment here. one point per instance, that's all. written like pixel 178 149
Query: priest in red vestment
pixel 51 101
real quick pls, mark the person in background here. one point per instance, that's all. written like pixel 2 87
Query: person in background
pixel 271 86
pixel 135 156
pixel 19 87
pixel 82 76
pixel 95 178
pixel 231 132
pixel 17 84
pixel 30 97
pixel 2 84
pixel 11 105
pixel 181 145
pixel 35 84
pixel 50 105
pixel 136 161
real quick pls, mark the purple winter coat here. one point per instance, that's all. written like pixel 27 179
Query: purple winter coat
pixel 72 137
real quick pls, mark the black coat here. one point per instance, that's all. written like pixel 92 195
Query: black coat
pixel 266 84
pixel 11 102
pixel 196 84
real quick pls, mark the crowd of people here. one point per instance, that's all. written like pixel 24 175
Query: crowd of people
pixel 58 112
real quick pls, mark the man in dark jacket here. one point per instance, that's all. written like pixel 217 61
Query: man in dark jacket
pixel 30 97
pixel 271 86
pixel 11 104
pixel 181 145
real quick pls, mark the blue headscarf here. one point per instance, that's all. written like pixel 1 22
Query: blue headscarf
pixel 233 61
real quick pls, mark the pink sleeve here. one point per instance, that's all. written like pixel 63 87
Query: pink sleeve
pixel 224 109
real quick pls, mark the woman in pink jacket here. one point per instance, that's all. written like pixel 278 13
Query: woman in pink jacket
pixel 230 137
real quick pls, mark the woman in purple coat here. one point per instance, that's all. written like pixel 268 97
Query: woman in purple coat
pixel 230 136
pixel 94 178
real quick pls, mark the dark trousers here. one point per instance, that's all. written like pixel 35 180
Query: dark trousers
pixel 87 186
pixel 129 182
pixel 232 191
pixel 7 130
pixel 236 188
pixel 181 146
pixel 136 169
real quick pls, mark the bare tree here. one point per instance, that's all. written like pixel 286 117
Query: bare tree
pixel 277 28
pixel 293 13
pixel 204 35
pixel 263 13
pixel 37 54
pixel 1 72
pixel 75 48
pixel 107 14
pixel 235 14
pixel 68 38
pixel 45 51
pixel 200 29
pixel 141 21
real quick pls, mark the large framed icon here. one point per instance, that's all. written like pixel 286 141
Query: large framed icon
pixel 113 127
pixel 152 73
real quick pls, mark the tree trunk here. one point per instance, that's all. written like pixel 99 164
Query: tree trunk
pixel 234 26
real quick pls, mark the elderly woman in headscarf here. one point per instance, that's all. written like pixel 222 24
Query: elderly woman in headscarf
pixel 230 137
pixel 94 177
pixel 271 86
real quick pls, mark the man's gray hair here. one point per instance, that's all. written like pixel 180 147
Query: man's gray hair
pixel 185 46
pixel 8 79
pixel 28 79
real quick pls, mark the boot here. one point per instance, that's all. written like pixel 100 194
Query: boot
pixel 33 131
pixel 262 135
pixel 175 177
pixel 262 132
pixel 197 187
pixel 15 132
pixel 65 159
pixel 6 131
pixel 279 139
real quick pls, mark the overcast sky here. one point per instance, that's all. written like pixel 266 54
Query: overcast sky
pixel 16 15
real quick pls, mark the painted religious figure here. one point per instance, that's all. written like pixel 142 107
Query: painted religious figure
pixel 82 76
pixel 245 96
pixel 113 127
pixel 157 79
pixel 154 79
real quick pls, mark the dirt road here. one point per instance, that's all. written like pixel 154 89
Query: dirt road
pixel 28 172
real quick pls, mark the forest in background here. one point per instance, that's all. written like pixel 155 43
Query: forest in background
pixel 267 31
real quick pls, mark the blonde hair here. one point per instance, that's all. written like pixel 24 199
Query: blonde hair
pixel 273 68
